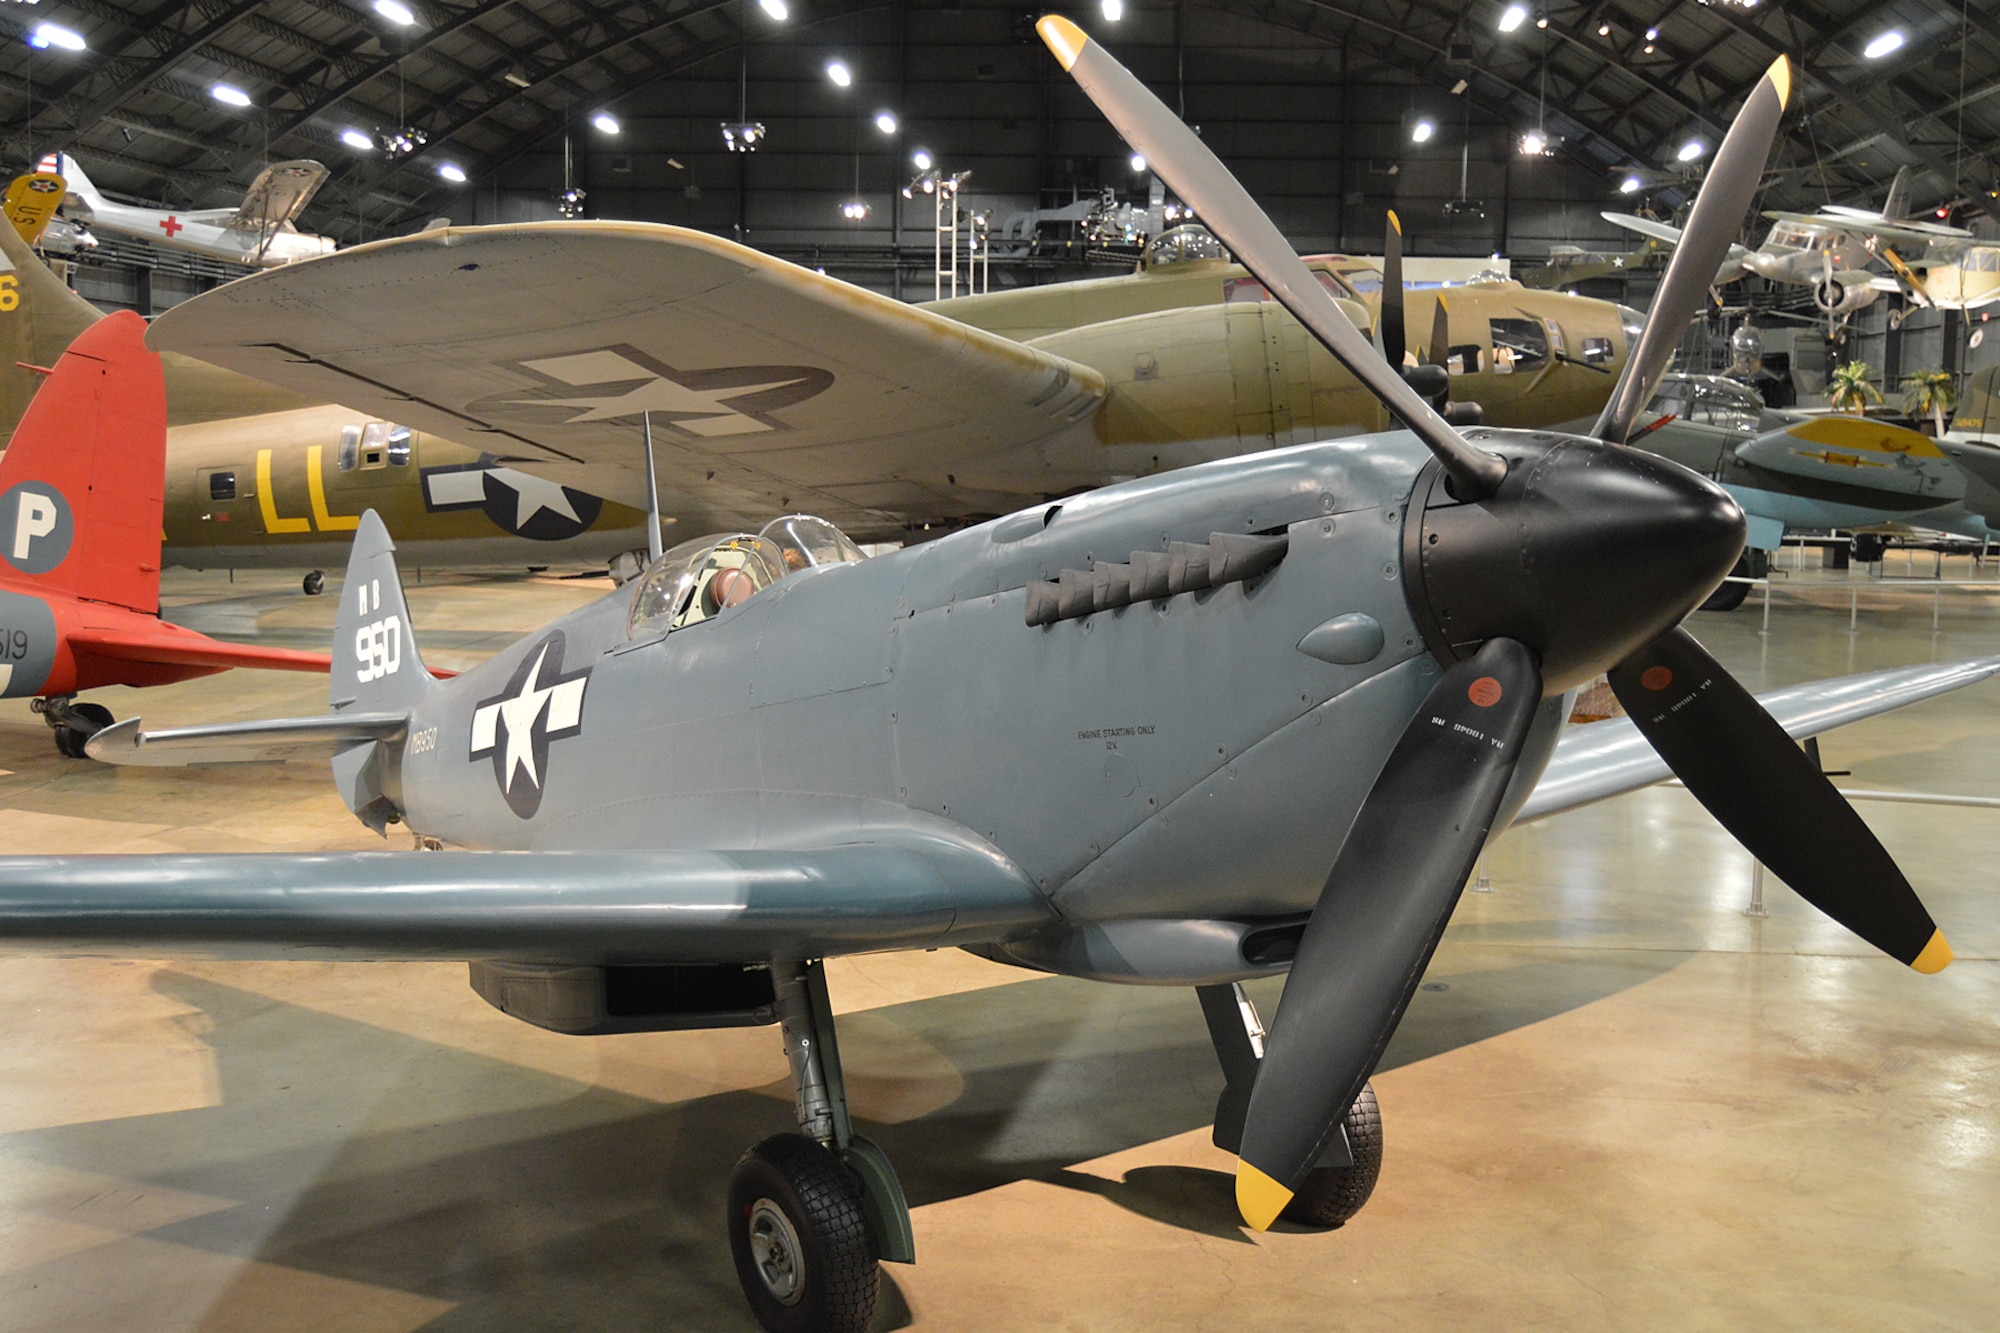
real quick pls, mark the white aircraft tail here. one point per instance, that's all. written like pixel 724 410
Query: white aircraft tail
pixel 73 175
pixel 1897 206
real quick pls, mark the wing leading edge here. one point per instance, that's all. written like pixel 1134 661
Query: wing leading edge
pixel 1605 759
pixel 581 908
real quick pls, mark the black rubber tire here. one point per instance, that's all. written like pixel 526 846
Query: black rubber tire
pixel 68 743
pixel 1333 1194
pixel 89 719
pixel 314 583
pixel 840 1276
pixel 1729 596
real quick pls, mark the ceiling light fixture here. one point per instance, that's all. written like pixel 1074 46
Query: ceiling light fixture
pixel 838 71
pixel 1888 43
pixel 1422 131
pixel 606 122
pixel 396 12
pixel 452 172
pixel 1691 150
pixel 1113 10
pixel 854 210
pixel 1534 144
pixel 46 35
pixel 518 79
pixel 921 159
pixel 776 9
pixel 1652 34
pixel 1513 17
pixel 1138 161
pixel 744 137
pixel 229 94
pixel 885 121
pixel 1604 30
pixel 1541 20
pixel 358 140
pixel 1630 185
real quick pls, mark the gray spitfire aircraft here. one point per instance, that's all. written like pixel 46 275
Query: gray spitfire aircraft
pixel 1122 736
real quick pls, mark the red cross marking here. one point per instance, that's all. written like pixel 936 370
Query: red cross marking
pixel 171 224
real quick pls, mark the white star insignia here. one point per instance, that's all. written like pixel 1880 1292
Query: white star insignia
pixel 563 703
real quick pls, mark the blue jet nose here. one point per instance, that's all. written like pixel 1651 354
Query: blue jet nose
pixel 1586 553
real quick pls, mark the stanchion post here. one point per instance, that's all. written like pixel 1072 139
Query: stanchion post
pixel 1756 907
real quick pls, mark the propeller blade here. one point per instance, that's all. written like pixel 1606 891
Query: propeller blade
pixel 1711 229
pixel 1389 324
pixel 1440 353
pixel 1378 919
pixel 1739 763
pixel 1199 178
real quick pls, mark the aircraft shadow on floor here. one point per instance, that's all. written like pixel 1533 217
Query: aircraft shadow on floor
pixel 511 1191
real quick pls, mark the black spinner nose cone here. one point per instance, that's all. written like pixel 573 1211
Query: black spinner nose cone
pixel 1587 552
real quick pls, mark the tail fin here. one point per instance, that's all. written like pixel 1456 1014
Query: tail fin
pixel 44 319
pixel 376 664
pixel 1897 206
pixel 67 167
pixel 82 485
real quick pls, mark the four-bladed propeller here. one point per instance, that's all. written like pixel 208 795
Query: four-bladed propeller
pixel 1531 566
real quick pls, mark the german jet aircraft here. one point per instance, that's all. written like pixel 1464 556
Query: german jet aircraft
pixel 259 479
pixel 80 538
pixel 260 231
pixel 1188 695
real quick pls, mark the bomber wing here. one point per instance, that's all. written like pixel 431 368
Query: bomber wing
pixel 581 908
pixel 769 386
pixel 1603 759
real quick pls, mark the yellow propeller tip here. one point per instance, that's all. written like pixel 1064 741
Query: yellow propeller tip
pixel 1064 38
pixel 1258 1197
pixel 1780 75
pixel 1935 958
pixel 1395 222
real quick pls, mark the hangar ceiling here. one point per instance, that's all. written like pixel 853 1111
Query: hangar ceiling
pixel 494 82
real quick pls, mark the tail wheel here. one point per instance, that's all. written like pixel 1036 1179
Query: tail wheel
pixel 314 583
pixel 800 1240
pixel 1333 1194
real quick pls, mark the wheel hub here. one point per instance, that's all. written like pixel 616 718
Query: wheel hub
pixel 774 1248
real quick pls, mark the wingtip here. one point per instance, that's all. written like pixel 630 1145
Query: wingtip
pixel 1063 38
pixel 1258 1197
pixel 1780 75
pixel 1937 956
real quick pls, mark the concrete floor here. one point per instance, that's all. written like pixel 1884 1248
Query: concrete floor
pixel 1617 1102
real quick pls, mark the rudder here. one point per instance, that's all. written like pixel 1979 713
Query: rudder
pixel 376 664
pixel 82 485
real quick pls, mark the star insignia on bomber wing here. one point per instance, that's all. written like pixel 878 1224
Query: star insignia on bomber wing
pixel 539 705
pixel 621 383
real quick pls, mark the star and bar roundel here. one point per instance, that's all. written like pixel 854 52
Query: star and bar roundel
pixel 539 705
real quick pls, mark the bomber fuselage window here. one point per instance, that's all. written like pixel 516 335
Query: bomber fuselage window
pixel 1519 346
pixel 222 485
pixel 1596 351
pixel 399 446
pixel 350 448
pixel 375 445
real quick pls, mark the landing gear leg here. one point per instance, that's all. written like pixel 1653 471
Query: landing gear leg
pixel 72 722
pixel 314 583
pixel 1334 1190
pixel 812 1214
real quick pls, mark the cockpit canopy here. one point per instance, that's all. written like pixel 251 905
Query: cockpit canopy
pixel 701 579
pixel 1189 243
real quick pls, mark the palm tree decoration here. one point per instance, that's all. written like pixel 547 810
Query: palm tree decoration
pixel 1850 390
pixel 1931 393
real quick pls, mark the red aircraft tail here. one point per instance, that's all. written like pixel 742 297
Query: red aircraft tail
pixel 83 482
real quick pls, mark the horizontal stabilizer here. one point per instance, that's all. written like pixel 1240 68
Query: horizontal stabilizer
pixel 1603 759
pixel 270 741
pixel 652 906
pixel 170 645
pixel 1659 231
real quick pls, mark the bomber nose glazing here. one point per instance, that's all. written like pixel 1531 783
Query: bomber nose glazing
pixel 1585 553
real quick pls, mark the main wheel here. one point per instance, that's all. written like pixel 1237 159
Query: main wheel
pixel 1333 1194
pixel 68 743
pixel 89 719
pixel 803 1253
pixel 313 583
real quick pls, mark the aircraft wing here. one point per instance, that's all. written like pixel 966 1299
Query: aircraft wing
pixel 1659 231
pixel 1853 450
pixel 655 906
pixel 1917 232
pixel 1596 760
pixel 277 195
pixel 173 646
pixel 32 201
pixel 769 386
